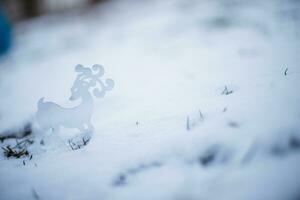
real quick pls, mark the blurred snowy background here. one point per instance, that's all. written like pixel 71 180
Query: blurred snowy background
pixel 169 129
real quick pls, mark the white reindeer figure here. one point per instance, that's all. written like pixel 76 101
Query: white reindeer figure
pixel 51 115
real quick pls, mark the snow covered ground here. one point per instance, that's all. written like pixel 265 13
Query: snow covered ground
pixel 170 60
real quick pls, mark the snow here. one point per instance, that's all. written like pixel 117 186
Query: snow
pixel 169 59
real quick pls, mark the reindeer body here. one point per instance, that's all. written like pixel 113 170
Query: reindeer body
pixel 52 116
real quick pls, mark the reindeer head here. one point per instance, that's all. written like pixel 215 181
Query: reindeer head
pixel 88 78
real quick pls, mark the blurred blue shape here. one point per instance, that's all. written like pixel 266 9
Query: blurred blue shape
pixel 5 34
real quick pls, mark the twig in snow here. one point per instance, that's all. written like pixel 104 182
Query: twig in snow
pixel 13 152
pixel 122 178
pixel 71 144
pixel 188 123
pixel 78 145
pixel 23 144
pixel 285 71
pixel 201 115
pixel 85 142
pixel 249 155
pixel 226 91
pixel 35 194
pixel 233 124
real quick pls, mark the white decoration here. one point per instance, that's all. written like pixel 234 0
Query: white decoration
pixel 52 116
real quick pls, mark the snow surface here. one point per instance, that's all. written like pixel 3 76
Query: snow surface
pixel 169 60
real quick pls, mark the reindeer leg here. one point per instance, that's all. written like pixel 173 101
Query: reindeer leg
pixel 40 133
pixel 89 132
pixel 90 126
pixel 81 129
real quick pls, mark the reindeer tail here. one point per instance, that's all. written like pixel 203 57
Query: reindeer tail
pixel 40 102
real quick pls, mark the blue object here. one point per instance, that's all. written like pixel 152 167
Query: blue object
pixel 5 34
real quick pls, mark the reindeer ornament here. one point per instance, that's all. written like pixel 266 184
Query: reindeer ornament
pixel 52 116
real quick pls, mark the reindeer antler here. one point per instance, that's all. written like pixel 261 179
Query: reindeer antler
pixel 99 68
pixel 86 73
pixel 96 77
pixel 83 71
